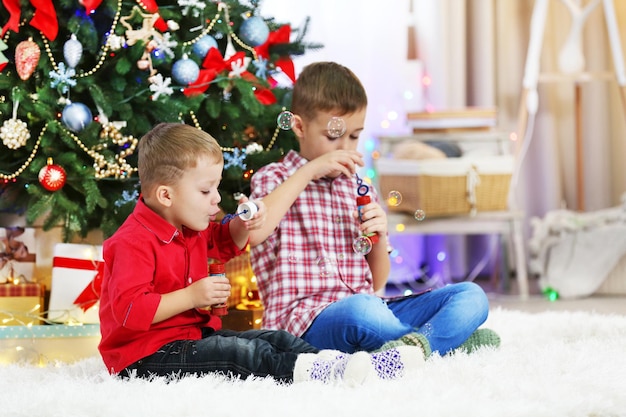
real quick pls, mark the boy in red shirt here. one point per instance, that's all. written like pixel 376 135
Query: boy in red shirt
pixel 153 315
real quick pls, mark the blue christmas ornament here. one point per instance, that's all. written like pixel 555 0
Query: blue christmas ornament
pixel 76 117
pixel 204 44
pixel 158 57
pixel 254 31
pixel 185 71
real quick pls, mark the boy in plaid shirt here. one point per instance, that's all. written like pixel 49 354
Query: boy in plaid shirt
pixel 311 281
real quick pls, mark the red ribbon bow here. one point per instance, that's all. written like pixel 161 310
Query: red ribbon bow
pixel 44 18
pixel 91 294
pixel 90 5
pixel 214 64
pixel 284 63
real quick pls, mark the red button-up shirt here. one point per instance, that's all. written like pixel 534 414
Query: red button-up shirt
pixel 308 262
pixel 145 258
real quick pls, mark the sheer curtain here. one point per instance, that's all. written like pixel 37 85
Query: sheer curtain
pixel 549 170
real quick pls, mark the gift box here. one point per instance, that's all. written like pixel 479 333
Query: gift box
pixel 17 254
pixel 21 304
pixel 75 286
pixel 48 344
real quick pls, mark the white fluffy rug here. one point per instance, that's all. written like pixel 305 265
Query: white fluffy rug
pixel 549 364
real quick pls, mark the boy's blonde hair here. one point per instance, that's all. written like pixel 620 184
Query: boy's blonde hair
pixel 167 150
pixel 327 86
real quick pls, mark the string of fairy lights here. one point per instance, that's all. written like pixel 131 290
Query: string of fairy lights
pixel 119 167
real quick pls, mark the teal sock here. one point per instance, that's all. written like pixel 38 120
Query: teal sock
pixel 481 337
pixel 409 339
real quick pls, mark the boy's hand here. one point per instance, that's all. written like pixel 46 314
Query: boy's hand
pixel 335 163
pixel 257 221
pixel 209 291
pixel 374 219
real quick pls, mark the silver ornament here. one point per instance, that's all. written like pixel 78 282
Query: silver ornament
pixel 204 44
pixel 185 71
pixel 72 51
pixel 14 133
pixel 76 116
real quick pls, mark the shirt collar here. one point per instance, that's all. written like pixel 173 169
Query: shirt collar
pixel 294 161
pixel 156 224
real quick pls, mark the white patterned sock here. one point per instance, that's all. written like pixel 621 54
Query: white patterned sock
pixel 326 366
pixel 392 363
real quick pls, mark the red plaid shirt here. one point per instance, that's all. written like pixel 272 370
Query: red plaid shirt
pixel 308 261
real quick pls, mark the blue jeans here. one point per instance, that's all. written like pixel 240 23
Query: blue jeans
pixel 446 317
pixel 238 354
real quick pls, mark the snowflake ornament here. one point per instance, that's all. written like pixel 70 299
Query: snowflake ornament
pixel 193 6
pixel 159 85
pixel 238 67
pixel 235 159
pixel 165 44
pixel 63 77
pixel 261 68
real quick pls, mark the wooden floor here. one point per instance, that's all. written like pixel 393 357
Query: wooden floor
pixel 509 298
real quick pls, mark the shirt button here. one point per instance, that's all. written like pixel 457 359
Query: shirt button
pixel 189 280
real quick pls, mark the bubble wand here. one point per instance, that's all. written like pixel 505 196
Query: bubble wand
pixel 245 210
pixel 364 243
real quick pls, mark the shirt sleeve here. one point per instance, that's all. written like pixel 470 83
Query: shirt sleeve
pixel 265 180
pixel 131 269
pixel 220 244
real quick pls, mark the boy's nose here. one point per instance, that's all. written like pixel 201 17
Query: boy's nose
pixel 343 143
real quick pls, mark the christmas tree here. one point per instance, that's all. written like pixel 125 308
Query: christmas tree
pixel 82 81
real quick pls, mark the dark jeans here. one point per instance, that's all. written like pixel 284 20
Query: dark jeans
pixel 237 354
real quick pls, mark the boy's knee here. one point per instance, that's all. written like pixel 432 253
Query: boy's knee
pixel 476 294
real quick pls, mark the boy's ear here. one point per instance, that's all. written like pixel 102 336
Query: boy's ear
pixel 298 126
pixel 163 195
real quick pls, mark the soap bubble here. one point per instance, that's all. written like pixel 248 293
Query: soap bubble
pixel 285 120
pixel 362 245
pixel 336 127
pixel 326 267
pixel 419 215
pixel 394 199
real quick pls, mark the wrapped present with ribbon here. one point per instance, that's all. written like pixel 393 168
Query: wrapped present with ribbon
pixel 21 304
pixel 17 255
pixel 77 271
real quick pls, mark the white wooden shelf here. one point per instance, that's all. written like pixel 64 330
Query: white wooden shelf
pixel 507 223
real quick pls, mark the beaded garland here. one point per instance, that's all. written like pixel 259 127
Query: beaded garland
pixel 120 168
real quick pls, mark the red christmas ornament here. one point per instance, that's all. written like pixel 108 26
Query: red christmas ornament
pixel 52 177
pixel 27 55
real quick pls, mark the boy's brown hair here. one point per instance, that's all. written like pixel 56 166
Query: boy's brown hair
pixel 168 149
pixel 327 86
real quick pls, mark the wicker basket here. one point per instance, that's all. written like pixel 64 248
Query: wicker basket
pixel 446 187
